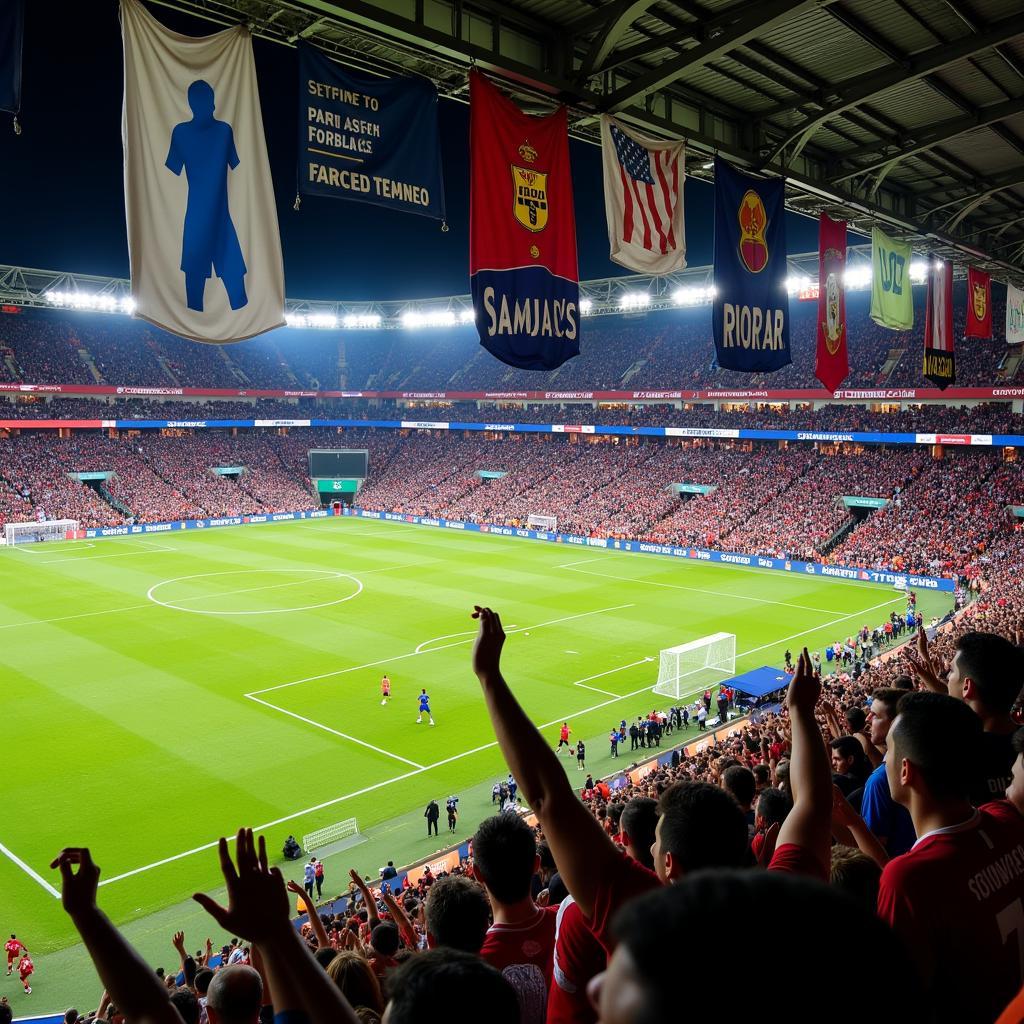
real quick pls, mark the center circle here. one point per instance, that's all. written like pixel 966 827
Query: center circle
pixel 231 589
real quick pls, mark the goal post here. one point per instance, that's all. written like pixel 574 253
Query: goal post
pixel 699 664
pixel 35 532
pixel 340 830
pixel 548 524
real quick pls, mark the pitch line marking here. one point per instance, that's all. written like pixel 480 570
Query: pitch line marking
pixel 468 753
pixel 413 654
pixel 420 648
pixel 33 874
pixel 343 735
pixel 703 590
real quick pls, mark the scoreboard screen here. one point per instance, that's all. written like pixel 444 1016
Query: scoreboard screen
pixel 338 463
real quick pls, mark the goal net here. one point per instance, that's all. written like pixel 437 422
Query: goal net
pixel 549 524
pixel 696 665
pixel 32 533
pixel 340 830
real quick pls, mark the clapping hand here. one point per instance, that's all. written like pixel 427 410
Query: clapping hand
pixel 257 898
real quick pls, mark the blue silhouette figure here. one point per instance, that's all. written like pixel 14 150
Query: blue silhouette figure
pixel 205 148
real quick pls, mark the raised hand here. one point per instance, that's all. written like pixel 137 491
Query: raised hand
pixel 489 642
pixel 178 942
pixel 78 889
pixel 805 688
pixel 922 667
pixel 257 898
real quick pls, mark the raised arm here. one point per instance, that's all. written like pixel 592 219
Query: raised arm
pixel 372 917
pixel 849 828
pixel 808 824
pixel 580 846
pixel 322 941
pixel 134 988
pixel 922 667
pixel 257 910
pixel 405 927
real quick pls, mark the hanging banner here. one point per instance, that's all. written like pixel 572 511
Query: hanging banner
pixel 522 232
pixel 374 140
pixel 979 304
pixel 939 367
pixel 643 199
pixel 1014 315
pixel 831 360
pixel 203 239
pixel 892 299
pixel 12 31
pixel 750 313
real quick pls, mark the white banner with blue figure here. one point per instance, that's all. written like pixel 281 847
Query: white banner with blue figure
pixel 203 237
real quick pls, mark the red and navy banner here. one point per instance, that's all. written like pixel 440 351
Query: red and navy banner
pixel 939 367
pixel 522 232
pixel 750 314
pixel 12 29
pixel 831 361
pixel 979 304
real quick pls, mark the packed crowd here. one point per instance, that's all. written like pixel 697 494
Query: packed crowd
pixel 750 497
pixel 982 418
pixel 885 807
pixel 665 349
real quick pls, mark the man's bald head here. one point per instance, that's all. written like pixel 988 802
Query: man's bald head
pixel 235 996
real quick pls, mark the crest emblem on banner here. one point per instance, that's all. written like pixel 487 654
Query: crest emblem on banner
pixel 530 204
pixel 833 325
pixel 979 298
pixel 753 220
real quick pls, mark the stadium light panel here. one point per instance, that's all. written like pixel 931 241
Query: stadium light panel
pixel 635 300
pixel 857 278
pixel 918 271
pixel 434 318
pixel 586 307
pixel 357 320
pixel 467 316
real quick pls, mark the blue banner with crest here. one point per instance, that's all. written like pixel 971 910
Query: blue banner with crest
pixel 750 312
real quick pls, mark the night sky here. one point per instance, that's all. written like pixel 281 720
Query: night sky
pixel 64 199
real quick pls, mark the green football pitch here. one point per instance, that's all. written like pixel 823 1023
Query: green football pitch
pixel 160 692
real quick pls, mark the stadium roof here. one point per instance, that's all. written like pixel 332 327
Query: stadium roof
pixel 905 113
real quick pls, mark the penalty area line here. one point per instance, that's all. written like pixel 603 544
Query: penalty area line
pixel 34 875
pixel 448 760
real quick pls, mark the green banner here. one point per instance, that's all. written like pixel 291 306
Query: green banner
pixel 90 476
pixel 228 470
pixel 693 488
pixel 892 299
pixel 328 486
pixel 857 501
pixel 490 474
pixel 1016 510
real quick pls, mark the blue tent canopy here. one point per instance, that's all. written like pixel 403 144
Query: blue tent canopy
pixel 760 681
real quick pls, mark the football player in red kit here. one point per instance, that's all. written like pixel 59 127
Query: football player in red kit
pixel 25 969
pixel 13 946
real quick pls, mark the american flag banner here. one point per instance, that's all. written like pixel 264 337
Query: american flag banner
pixel 643 199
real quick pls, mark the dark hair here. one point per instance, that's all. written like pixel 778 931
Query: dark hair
pixel 890 697
pixel 848 746
pixel 458 913
pixel 6 1013
pixel 639 820
pixel 547 860
pixel 702 826
pixel 855 718
pixel 762 774
pixel 996 667
pixel 941 736
pixel 678 923
pixel 1018 741
pixel 740 782
pixel 504 856
pixel 185 1002
pixel 772 806
pixel 352 973
pixel 427 981
pixel 324 956
pixel 202 980
pixel 384 938
pixel 857 875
